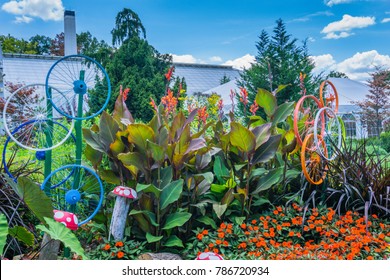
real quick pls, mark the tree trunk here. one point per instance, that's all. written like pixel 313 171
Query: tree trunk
pixel 49 248
pixel 119 217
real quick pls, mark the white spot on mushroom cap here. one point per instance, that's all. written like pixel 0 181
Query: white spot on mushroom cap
pixel 68 219
pixel 76 221
pixel 58 215
pixel 126 192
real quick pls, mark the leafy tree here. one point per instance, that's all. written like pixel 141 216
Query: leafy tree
pixel 11 44
pixel 140 67
pixel 376 107
pixel 57 45
pixel 127 25
pixel 42 44
pixel 337 74
pixel 92 47
pixel 279 61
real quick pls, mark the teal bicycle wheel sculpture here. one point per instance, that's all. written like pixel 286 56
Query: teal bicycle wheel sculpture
pixel 83 82
pixel 35 162
pixel 81 193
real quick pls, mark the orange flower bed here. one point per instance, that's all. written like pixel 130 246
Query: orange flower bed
pixel 285 234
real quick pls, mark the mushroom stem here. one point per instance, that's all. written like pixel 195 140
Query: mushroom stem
pixel 119 215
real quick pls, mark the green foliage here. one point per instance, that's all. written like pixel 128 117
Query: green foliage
pixel 138 66
pixel 3 232
pixel 34 198
pixel 118 250
pixel 11 44
pixel 385 141
pixel 127 25
pixel 279 60
pixel 22 234
pixel 60 232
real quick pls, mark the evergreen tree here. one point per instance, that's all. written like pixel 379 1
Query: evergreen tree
pixel 279 61
pixel 376 107
pixel 127 25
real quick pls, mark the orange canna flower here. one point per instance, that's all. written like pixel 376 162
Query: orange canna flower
pixel 169 101
pixel 253 108
pixel 168 75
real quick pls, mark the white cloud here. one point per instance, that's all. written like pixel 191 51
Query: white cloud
pixel 385 20
pixel 342 28
pixel 241 62
pixel 333 35
pixel 330 3
pixel 185 58
pixel 23 19
pixel 28 9
pixel 215 59
pixel 323 62
pixel 356 67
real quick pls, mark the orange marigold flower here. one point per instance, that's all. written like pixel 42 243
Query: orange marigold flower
pixel 374 216
pixel 199 236
pixel 120 254
pixel 370 257
pixel 278 228
pixel 221 235
pixel 119 244
pixel 381 236
pixel 205 232
pixel 107 247
pixel 243 226
pixel 254 222
pixel 218 242
pixel 275 212
pixel 211 245
pixel 306 228
pixel 225 243
pixel 223 226
pixel 216 251
pixel 291 233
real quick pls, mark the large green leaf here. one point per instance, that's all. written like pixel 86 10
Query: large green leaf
pixel 171 193
pixel 156 150
pixel 94 156
pixel 262 134
pixel 133 159
pixel 207 221
pixel 3 232
pixel 267 101
pixel 150 215
pixel 92 140
pixel 150 188
pixel 108 128
pixel 267 151
pixel 109 176
pixel 176 220
pixel 242 138
pixel 151 238
pixel 173 241
pixel 282 112
pixel 166 176
pixel 219 209
pixel 60 232
pixel 220 170
pixel 139 134
pixel 35 199
pixel 273 177
pixel 217 188
pixel 22 234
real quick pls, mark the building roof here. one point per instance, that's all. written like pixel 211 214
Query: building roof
pixel 224 90
pixel 202 77
pixel 349 91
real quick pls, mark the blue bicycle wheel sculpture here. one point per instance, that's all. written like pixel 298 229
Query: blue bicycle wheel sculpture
pixel 83 82
pixel 81 193
pixel 29 108
pixel 14 156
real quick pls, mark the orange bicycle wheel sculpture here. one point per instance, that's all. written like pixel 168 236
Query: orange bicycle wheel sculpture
pixel 329 96
pixel 313 165
pixel 304 115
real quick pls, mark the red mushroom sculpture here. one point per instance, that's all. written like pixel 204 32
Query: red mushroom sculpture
pixel 121 209
pixel 67 218
pixel 208 256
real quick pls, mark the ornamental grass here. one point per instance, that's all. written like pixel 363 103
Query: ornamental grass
pixel 293 234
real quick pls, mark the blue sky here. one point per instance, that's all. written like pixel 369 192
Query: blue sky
pixel 352 36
